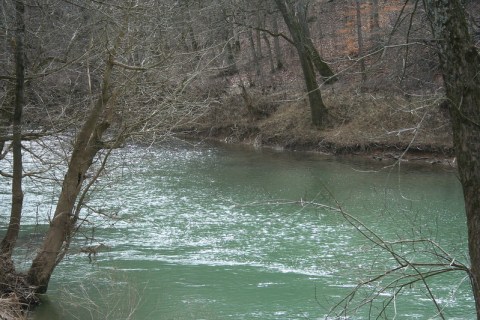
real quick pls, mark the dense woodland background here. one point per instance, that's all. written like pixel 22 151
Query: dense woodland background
pixel 79 79
pixel 225 68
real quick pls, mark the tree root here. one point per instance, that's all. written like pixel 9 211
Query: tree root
pixel 16 296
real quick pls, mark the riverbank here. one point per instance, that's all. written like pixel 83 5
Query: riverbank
pixel 379 126
pixel 11 308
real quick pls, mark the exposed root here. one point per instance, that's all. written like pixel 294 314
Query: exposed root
pixel 11 308
pixel 16 296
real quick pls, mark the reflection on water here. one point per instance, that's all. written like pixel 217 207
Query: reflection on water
pixel 194 237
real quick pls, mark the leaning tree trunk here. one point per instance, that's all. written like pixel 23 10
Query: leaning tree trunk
pixel 8 242
pixel 322 67
pixel 318 109
pixel 460 62
pixel 88 143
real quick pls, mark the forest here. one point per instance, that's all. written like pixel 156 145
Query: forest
pixel 79 79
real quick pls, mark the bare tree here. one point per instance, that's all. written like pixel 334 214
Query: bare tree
pixel 134 71
pixel 409 262
pixel 295 17
pixel 8 242
pixel 460 66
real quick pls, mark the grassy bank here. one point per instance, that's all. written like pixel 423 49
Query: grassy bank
pixel 382 126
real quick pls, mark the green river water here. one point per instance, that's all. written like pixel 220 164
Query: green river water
pixel 207 232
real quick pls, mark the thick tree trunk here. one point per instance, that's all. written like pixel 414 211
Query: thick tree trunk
pixel 460 62
pixel 8 242
pixel 467 144
pixel 317 107
pixel 323 68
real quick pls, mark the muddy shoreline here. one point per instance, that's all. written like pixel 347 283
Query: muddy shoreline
pixel 377 152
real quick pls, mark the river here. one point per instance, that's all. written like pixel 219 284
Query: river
pixel 228 232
